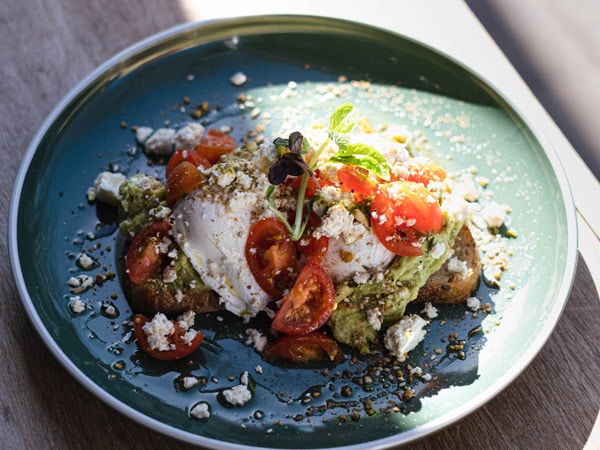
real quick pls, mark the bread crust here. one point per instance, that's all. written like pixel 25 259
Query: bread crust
pixel 451 287
pixel 153 296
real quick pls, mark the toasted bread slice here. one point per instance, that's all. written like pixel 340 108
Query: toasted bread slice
pixel 153 296
pixel 448 285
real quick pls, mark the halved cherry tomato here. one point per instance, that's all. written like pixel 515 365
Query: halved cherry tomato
pixel 401 212
pixel 271 255
pixel 313 249
pixel 309 347
pixel 215 144
pixel 190 156
pixel 183 179
pixel 423 170
pixel 357 180
pixel 143 258
pixel 180 348
pixel 294 182
pixel 309 303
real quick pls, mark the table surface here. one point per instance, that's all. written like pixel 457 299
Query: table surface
pixel 47 47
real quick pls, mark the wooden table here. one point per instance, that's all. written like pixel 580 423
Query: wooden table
pixel 46 47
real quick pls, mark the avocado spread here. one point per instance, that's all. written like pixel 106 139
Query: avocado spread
pixel 142 201
pixel 361 309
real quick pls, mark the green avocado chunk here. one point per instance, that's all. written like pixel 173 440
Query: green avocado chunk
pixel 142 201
pixel 362 309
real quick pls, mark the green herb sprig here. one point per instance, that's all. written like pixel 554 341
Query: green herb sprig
pixel 291 162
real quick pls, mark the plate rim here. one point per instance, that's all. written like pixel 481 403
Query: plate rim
pixel 525 359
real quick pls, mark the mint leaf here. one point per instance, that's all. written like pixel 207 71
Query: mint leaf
pixel 365 156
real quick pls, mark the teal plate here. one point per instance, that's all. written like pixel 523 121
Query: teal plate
pixel 361 403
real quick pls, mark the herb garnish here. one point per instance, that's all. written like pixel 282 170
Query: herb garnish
pixel 291 162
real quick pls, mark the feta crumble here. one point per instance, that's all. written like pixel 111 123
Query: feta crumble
pixel 430 311
pixel 200 411
pixel 404 336
pixel 239 395
pixel 459 267
pixel 473 303
pixel 76 305
pixel 106 187
pixel 189 382
pixel 256 339
pixel 161 142
pixel 189 137
pixel 157 332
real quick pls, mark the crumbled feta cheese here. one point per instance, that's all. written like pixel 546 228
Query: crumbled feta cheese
pixel 169 274
pixel 142 134
pixel 76 305
pixel 157 332
pixel 256 339
pixel 200 411
pixel 337 220
pixel 361 277
pixel 110 310
pixel 375 318
pixel 106 187
pixel 237 395
pixel 495 215
pixel 438 250
pixel 189 382
pixel 430 311
pixel 405 336
pixel 161 142
pixel 457 266
pixel 473 303
pixel 467 190
pixel 80 283
pixel 189 137
pixel 85 261
pixel 238 79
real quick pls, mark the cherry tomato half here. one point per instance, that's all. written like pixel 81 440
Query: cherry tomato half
pixel 183 179
pixel 143 258
pixel 359 181
pixel 424 171
pixel 309 347
pixel 190 156
pixel 180 348
pixel 309 303
pixel 401 212
pixel 313 249
pixel 295 182
pixel 271 255
pixel 215 144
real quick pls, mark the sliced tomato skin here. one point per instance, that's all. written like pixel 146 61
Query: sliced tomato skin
pixel 183 179
pixel 313 249
pixel 190 156
pixel 142 259
pixel 181 349
pixel 215 144
pixel 424 171
pixel 308 305
pixel 400 220
pixel 310 247
pixel 271 256
pixel 360 182
pixel 295 182
pixel 309 347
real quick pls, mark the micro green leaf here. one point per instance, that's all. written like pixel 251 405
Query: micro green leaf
pixel 343 119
